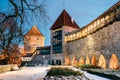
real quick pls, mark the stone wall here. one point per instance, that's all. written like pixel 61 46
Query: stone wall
pixel 104 41
pixel 4 68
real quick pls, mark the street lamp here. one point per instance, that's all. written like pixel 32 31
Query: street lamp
pixel 43 59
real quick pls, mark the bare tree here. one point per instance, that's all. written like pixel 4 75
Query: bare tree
pixel 10 35
pixel 18 13
pixel 24 10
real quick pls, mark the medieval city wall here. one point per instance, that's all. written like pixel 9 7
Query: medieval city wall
pixel 98 43
pixel 104 41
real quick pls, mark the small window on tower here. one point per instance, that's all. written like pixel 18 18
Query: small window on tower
pixel 37 38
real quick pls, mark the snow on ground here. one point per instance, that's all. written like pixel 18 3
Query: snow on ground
pixel 91 76
pixel 26 73
pixel 94 77
pixel 36 73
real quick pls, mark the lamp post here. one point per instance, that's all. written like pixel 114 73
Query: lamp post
pixel 43 59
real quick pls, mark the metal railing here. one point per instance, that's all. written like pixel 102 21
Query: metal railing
pixel 30 58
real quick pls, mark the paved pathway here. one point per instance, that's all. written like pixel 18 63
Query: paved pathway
pixel 26 73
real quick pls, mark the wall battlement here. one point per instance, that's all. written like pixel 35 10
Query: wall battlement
pixel 108 17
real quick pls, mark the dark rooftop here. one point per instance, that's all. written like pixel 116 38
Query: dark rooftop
pixel 64 19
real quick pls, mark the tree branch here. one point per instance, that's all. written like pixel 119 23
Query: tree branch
pixel 15 6
pixel 6 17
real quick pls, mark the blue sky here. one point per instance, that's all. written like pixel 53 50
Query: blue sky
pixel 82 11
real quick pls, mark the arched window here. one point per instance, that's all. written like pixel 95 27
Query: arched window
pixel 102 61
pixel 81 61
pixel 74 61
pixel 67 60
pixel 114 62
pixel 87 62
pixel 93 60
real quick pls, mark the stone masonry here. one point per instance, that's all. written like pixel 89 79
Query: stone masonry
pixel 105 41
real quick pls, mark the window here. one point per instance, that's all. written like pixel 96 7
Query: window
pixel 45 51
pixel 28 47
pixel 37 38
pixel 29 38
pixel 57 42
pixel 57 48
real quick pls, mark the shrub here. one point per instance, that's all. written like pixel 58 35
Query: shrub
pixel 89 67
pixel 57 71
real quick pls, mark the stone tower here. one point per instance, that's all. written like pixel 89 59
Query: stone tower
pixel 32 39
pixel 63 25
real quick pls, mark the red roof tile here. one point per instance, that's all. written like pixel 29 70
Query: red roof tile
pixel 34 31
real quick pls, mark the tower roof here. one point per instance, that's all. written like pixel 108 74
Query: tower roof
pixel 34 31
pixel 64 19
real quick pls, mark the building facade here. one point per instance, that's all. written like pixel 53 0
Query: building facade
pixel 42 55
pixel 33 39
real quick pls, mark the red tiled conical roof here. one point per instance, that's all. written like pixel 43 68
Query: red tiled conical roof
pixel 64 19
pixel 34 31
